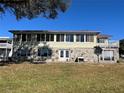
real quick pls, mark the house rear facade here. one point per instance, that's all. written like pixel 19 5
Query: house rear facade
pixel 63 46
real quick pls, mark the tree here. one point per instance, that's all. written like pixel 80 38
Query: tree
pixel 98 51
pixel 34 8
pixel 121 49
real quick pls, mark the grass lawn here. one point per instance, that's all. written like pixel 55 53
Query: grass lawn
pixel 62 78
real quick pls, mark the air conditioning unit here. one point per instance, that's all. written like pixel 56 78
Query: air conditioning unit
pixel 67 59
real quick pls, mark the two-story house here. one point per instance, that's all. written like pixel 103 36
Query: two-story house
pixel 63 46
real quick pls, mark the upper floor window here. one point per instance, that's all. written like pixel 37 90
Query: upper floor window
pixel 89 38
pixel 79 38
pixel 43 37
pixel 28 37
pixel 60 37
pixel 17 37
pixel 100 40
pixel 49 37
pixel 23 37
pixel 38 37
pixel 70 38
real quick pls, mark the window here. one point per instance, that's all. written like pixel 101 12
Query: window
pixel 100 40
pixel 52 37
pixel 61 53
pixel 67 53
pixel 38 37
pixel 64 53
pixel 89 38
pixel 28 37
pixel 80 38
pixel 24 52
pixel 49 37
pixel 60 38
pixel 34 37
pixel 69 38
pixel 23 37
pixel 44 52
pixel 42 37
pixel 17 37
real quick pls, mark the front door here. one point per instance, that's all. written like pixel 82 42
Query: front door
pixel 64 55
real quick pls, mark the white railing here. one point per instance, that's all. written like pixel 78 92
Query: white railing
pixel 5 45
pixel 114 43
pixel 110 44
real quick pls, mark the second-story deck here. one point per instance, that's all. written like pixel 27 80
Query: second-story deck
pixel 110 44
pixel 5 42
pixel 5 45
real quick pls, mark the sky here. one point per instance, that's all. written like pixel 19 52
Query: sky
pixel 105 16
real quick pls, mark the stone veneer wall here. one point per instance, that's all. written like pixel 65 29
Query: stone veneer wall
pixel 87 53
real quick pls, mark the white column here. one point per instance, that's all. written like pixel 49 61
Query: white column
pixel 84 37
pixel 64 37
pixel 74 38
pixel 95 39
pixel 55 37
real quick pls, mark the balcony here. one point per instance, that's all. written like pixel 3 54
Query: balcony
pixel 5 45
pixel 110 44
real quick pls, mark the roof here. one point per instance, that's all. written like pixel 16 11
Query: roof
pixel 103 36
pixel 55 32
